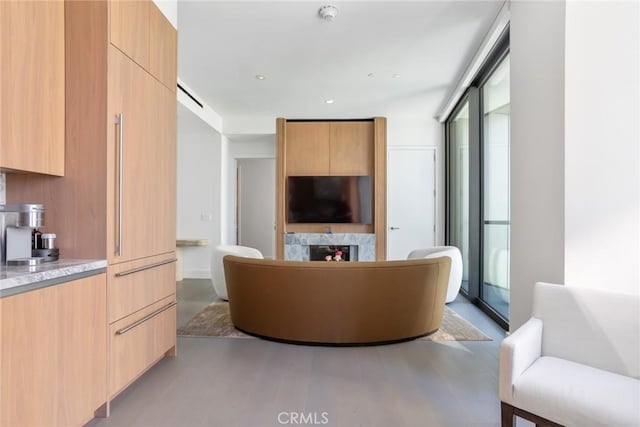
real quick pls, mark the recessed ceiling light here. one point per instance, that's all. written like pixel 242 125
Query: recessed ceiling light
pixel 260 77
pixel 329 101
pixel 328 13
pixel 396 76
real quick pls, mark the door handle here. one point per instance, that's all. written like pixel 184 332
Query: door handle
pixel 119 121
pixel 394 228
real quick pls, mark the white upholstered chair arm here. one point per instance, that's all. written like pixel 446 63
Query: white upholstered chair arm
pixel 517 352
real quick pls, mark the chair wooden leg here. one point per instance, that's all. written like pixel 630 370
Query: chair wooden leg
pixel 508 416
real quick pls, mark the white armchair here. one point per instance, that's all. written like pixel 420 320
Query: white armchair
pixel 576 362
pixel 217 268
pixel 455 275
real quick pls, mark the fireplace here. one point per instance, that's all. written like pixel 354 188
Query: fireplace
pixel 320 252
pixel 361 246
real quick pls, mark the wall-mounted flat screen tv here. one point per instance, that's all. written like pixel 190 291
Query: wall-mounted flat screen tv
pixel 329 199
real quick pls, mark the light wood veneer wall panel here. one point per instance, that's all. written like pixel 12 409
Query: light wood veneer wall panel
pixel 351 148
pixel 365 156
pixel 281 132
pixel 380 187
pixel 307 149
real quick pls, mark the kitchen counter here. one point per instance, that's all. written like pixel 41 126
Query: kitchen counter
pixel 18 279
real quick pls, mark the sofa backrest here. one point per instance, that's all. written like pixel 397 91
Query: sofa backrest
pixel 593 327
pixel 337 302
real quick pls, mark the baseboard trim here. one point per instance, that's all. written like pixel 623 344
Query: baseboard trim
pixel 196 274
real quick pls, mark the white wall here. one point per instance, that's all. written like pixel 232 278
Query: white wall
pixel 575 98
pixel 602 145
pixel 537 150
pixel 422 131
pixel 205 113
pixel 262 147
pixel 199 207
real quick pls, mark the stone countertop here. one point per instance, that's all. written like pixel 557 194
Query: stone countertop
pixel 19 279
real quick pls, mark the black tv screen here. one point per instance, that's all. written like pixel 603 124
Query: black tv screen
pixel 329 199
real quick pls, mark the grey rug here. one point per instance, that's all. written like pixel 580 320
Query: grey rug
pixel 215 321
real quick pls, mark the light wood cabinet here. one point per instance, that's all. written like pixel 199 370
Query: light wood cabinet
pixel 129 28
pixel 117 200
pixel 307 149
pixel 139 284
pixel 351 148
pixel 32 84
pixel 140 340
pixel 54 354
pixel 140 31
pixel 144 176
pixel 163 52
pixel 329 148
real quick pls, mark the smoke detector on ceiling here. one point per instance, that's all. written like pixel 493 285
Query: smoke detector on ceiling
pixel 328 12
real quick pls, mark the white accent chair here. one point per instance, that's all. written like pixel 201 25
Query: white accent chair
pixel 575 362
pixel 217 268
pixel 455 276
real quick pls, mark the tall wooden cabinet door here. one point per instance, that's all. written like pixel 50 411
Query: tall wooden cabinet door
pixel 163 50
pixel 32 86
pixel 131 172
pixel 307 148
pixel 130 28
pixel 352 148
pixel 162 156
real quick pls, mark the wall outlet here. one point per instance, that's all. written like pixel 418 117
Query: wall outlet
pixel 206 216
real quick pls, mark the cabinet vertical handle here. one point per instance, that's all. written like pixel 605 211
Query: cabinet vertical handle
pixel 119 121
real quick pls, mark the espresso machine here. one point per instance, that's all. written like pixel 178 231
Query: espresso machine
pixel 16 223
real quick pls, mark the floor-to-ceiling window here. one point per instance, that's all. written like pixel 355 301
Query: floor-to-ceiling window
pixel 458 135
pixel 495 189
pixel 478 177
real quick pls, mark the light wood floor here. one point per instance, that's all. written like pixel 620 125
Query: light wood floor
pixel 251 382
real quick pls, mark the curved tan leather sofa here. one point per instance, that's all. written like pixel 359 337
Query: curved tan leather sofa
pixel 337 303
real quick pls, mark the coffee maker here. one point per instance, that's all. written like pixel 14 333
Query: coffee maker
pixel 16 223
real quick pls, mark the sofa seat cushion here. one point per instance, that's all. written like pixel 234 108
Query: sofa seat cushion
pixel 572 394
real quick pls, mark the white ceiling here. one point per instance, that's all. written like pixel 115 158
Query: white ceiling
pixel 223 45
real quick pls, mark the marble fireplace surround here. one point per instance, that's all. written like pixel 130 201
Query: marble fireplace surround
pixel 296 245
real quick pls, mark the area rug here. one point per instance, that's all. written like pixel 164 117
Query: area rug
pixel 215 321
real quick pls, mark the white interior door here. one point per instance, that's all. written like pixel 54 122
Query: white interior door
pixel 411 184
pixel 256 204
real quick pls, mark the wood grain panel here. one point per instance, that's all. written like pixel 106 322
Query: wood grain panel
pixel 351 148
pixel 380 187
pixel 335 228
pixel 76 203
pixel 54 354
pixel 32 83
pixel 163 49
pixel 129 28
pixel 163 172
pixel 307 148
pixel 281 126
pixel 133 292
pixel 128 85
pixel 135 351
